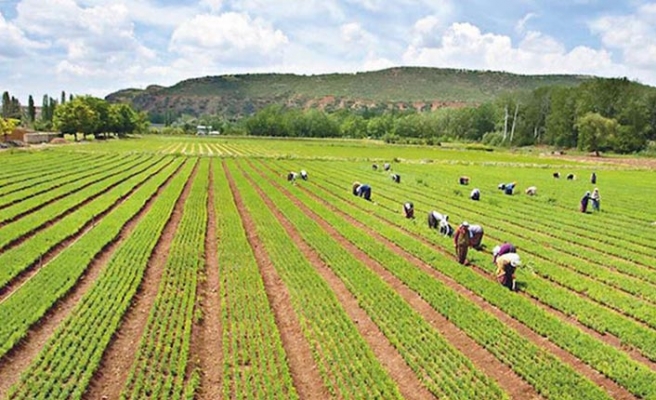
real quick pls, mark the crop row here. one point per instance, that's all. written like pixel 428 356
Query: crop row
pixel 345 362
pixel 30 252
pixel 36 296
pixel 35 164
pixel 443 369
pixel 65 365
pixel 255 364
pixel 606 359
pixel 159 370
pixel 21 190
pixel 45 199
pixel 542 370
pixel 590 314
pixel 31 221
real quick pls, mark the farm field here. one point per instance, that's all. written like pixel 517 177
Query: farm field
pixel 171 268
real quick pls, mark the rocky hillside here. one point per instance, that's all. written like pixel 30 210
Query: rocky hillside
pixel 405 87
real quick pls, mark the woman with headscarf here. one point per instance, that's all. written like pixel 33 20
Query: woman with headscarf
pixel 409 210
pixel 584 202
pixel 506 266
pixel 461 241
pixel 596 199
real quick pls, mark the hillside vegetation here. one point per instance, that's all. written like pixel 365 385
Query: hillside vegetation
pixel 402 88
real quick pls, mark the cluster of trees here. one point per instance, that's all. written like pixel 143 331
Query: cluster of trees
pixel 77 114
pixel 598 115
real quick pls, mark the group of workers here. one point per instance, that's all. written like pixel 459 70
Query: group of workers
pixel 291 176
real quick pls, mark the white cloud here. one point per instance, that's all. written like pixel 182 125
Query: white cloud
pixel 229 37
pixel 214 5
pixel 14 43
pixel 465 46
pixel 427 31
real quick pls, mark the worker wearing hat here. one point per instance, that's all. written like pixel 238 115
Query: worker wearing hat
pixel 506 266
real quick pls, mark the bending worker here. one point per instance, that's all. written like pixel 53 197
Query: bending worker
pixel 362 190
pixel 435 220
pixel 475 236
pixel 304 175
pixel 409 210
pixel 475 194
pixel 461 242
pixel 506 266
pixel 505 248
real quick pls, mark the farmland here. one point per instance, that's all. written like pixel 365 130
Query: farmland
pixel 176 268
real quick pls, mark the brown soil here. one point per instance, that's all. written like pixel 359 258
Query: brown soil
pixel 408 383
pixel 108 380
pixel 57 248
pixel 207 347
pixel 20 357
pixel 304 371
pixel 616 391
pixel 510 382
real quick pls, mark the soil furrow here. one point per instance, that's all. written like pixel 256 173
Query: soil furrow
pixel 510 382
pixel 32 269
pixel 20 357
pixel 111 375
pixel 304 371
pixel 607 384
pixel 208 346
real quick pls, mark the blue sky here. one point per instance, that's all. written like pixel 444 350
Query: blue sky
pixel 100 46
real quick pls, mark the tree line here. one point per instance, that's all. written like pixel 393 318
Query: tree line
pixel 73 114
pixel 598 115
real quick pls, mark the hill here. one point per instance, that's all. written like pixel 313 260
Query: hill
pixel 402 87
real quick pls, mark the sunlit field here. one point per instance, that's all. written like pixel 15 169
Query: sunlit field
pixel 192 268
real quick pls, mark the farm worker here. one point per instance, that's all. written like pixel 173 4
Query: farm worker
pixel 463 180
pixel 593 178
pixel 531 191
pixel 501 250
pixel 461 241
pixel 436 219
pixel 502 186
pixel 475 236
pixel 374 167
pixel 396 178
pixel 596 199
pixel 409 210
pixel 508 189
pixel 506 266
pixel 475 194
pixel 362 190
pixel 584 202
pixel 304 175
pixel 387 166
pixel 291 177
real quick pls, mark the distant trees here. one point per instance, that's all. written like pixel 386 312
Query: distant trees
pixel 91 115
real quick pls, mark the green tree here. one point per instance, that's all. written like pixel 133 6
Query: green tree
pixel 6 105
pixel 76 116
pixel 560 124
pixel 31 109
pixel 595 132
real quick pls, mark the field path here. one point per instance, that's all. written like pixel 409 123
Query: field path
pixel 114 368
pixel 207 345
pixel 20 357
pixel 304 371
pixel 409 384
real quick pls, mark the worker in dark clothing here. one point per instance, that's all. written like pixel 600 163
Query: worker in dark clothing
pixel 593 178
pixel 362 190
pixel 396 178
pixel 387 166
pixel 501 250
pixel 584 202
pixel 437 220
pixel 509 187
pixel 304 175
pixel 475 236
pixel 507 264
pixel 291 177
pixel 409 210
pixel 461 242
pixel 475 194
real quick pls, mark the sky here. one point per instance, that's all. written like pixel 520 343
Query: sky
pixel 95 47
